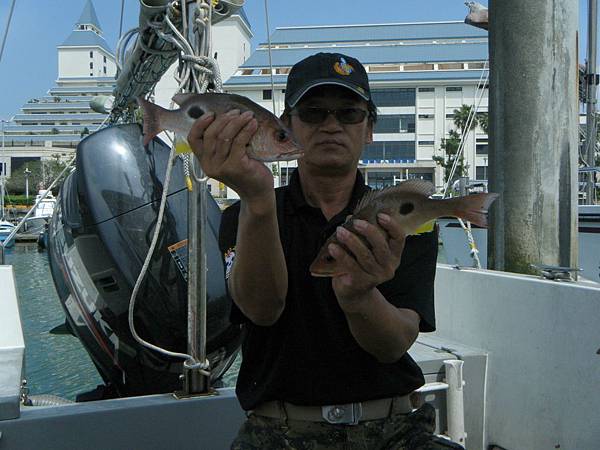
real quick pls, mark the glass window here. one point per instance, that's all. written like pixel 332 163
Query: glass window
pixel 426 89
pixel 394 97
pixel 425 116
pixel 91 65
pixel 104 59
pixel 454 89
pixel 91 54
pixel 395 123
pixel 426 142
pixel 481 149
pixel 389 151
pixel 267 94
pixel 481 173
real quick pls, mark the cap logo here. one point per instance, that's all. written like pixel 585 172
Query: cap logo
pixel 343 68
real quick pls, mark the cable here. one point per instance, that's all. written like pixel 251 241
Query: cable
pixel 8 21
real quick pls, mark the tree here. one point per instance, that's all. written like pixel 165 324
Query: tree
pixel 483 119
pixel 85 131
pixel 42 174
pixel 450 145
pixel 54 131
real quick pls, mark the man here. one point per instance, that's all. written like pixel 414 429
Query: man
pixel 324 361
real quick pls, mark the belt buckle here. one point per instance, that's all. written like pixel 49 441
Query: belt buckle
pixel 347 414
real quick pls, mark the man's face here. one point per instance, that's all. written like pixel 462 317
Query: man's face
pixel 331 146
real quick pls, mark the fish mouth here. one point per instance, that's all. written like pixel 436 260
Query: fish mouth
pixel 321 274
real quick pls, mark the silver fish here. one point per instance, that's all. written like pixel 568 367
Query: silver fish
pixel 273 141
pixel 410 199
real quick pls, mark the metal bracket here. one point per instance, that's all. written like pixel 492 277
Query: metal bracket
pixel 556 273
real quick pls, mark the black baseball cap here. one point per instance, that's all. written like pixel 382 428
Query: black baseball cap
pixel 326 68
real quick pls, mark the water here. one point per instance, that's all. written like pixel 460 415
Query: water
pixel 54 364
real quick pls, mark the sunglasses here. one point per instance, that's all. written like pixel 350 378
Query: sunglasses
pixel 316 115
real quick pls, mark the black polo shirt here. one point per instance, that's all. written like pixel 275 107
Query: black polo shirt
pixel 309 356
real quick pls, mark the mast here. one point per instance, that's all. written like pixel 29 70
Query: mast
pixel 591 84
pixel 533 134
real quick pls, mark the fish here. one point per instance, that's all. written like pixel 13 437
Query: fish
pixel 410 199
pixel 273 141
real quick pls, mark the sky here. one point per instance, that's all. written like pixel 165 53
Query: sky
pixel 29 64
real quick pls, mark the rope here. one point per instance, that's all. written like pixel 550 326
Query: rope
pixel 196 72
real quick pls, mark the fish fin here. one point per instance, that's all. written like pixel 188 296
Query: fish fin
pixel 151 119
pixel 180 98
pixel 427 227
pixel 416 186
pixel 474 208
pixel 421 187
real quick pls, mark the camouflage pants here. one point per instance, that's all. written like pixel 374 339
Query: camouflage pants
pixel 412 431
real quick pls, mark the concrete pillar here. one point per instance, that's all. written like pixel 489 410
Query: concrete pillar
pixel 533 133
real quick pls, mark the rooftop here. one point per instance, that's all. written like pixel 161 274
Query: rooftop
pixel 376 32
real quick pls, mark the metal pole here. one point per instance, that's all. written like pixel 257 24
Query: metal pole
pixel 591 98
pixel 3 178
pixel 195 381
pixel 533 133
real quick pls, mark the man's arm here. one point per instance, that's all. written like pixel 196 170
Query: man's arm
pixel 258 280
pixel 380 328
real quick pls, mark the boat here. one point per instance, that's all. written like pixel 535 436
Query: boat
pixel 45 202
pixel 6 229
pixel 513 363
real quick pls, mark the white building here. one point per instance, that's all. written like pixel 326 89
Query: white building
pixel 419 74
pixel 55 123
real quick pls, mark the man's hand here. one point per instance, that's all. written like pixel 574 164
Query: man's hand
pixel 220 145
pixel 366 268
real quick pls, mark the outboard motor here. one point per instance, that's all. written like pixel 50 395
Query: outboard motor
pixel 98 239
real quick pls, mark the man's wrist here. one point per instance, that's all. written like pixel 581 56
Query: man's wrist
pixel 259 205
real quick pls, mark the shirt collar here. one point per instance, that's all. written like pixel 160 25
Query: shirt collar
pixel 298 200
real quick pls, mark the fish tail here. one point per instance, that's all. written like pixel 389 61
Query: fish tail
pixel 474 208
pixel 151 119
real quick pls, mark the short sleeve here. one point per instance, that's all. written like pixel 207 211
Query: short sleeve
pixel 413 285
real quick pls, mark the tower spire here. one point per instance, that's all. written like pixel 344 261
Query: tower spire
pixel 88 19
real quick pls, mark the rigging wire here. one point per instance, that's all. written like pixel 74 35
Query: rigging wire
pixel 121 21
pixel 271 76
pixel 8 21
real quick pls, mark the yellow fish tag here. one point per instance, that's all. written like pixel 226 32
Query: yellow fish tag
pixel 427 227
pixel 181 146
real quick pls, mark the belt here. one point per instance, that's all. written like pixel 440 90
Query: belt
pixel 348 414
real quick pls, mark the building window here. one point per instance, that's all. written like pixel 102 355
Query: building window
pixel 267 94
pixel 395 123
pixel 91 74
pixel 426 142
pixel 449 116
pixel 408 67
pixel 104 59
pixel 450 66
pixel 481 173
pixel 394 97
pixel 454 89
pixel 91 54
pixel 425 116
pixel 104 70
pixel 481 149
pixel 384 68
pixel 389 151
pixel 91 65
pixel 426 89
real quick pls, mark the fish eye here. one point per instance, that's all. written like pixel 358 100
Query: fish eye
pixel 194 112
pixel 281 136
pixel 406 208
pixel 329 258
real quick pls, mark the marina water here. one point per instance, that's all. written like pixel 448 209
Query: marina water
pixel 54 364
